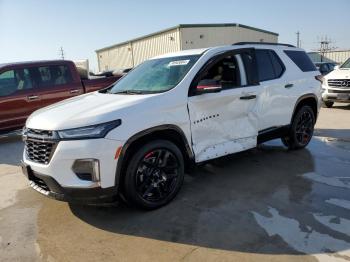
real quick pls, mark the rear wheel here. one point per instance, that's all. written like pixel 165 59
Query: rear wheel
pixel 301 130
pixel 328 104
pixel 154 175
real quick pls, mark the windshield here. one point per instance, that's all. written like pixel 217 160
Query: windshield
pixel 346 64
pixel 155 75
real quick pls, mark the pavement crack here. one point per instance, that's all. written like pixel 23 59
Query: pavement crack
pixel 189 254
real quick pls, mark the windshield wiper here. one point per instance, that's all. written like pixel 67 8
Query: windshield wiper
pixel 134 92
pixel 128 92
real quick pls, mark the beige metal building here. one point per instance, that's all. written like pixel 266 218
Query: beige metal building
pixel 185 36
pixel 335 56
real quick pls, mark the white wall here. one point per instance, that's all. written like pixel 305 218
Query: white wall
pixel 135 52
pixel 214 36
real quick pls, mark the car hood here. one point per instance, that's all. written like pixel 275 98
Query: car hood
pixel 339 74
pixel 85 110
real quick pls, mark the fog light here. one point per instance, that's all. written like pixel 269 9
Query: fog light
pixel 87 169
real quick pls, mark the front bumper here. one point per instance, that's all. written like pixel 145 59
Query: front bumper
pixel 57 179
pixel 49 187
pixel 336 95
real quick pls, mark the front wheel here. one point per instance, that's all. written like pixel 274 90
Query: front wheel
pixel 328 104
pixel 154 175
pixel 301 130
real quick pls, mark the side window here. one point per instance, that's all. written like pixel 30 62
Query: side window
pixel 53 76
pixel 265 66
pixel 224 72
pixel 277 64
pixel 13 81
pixel 60 75
pixel 302 60
pixel 45 76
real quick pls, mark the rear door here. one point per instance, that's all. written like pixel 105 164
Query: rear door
pixel 18 98
pixel 55 83
pixel 225 122
pixel 278 90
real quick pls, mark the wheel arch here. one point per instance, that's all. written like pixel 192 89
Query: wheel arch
pixel 172 133
pixel 307 99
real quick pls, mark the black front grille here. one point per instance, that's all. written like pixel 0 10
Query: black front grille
pixel 340 83
pixel 39 145
pixel 339 91
pixel 38 132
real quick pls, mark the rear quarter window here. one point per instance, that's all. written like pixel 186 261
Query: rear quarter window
pixel 302 60
pixel 269 65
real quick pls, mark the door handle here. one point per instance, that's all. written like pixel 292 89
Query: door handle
pixel 74 91
pixel 248 97
pixel 288 86
pixel 31 98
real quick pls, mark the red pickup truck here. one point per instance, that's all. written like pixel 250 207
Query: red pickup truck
pixel 28 86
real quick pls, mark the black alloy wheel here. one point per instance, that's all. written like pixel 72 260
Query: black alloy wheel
pixel 154 175
pixel 304 128
pixel 157 174
pixel 301 130
pixel 328 104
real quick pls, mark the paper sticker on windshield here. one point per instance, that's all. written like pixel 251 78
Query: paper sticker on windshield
pixel 179 63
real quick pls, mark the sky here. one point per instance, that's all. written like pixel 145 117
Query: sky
pixel 36 29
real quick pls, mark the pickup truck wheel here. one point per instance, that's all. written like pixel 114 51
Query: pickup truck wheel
pixel 328 104
pixel 154 175
pixel 301 130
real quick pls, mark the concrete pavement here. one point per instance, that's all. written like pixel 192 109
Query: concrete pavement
pixel 265 204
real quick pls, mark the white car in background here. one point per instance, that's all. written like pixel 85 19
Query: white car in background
pixel 137 138
pixel 336 85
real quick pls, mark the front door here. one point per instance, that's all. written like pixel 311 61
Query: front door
pixel 225 122
pixel 18 98
pixel 55 83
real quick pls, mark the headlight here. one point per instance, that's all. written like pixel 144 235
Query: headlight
pixel 89 132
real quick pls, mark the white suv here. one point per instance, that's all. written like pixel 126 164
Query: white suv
pixel 336 85
pixel 137 137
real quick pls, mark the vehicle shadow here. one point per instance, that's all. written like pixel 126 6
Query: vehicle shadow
pixel 216 205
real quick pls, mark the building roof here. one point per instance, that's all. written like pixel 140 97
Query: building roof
pixel 188 26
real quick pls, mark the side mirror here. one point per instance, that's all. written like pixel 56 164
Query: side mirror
pixel 208 86
pixel 336 67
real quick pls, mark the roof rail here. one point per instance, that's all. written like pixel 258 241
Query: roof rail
pixel 262 43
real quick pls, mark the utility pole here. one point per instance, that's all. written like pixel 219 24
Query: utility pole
pixel 61 53
pixel 325 46
pixel 298 39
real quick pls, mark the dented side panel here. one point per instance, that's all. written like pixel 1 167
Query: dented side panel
pixel 222 123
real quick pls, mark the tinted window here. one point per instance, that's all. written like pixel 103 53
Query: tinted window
pixel 302 60
pixel 224 72
pixel 277 64
pixel 13 81
pixel 265 66
pixel 46 76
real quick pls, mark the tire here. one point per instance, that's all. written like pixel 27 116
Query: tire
pixel 301 129
pixel 154 175
pixel 328 104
